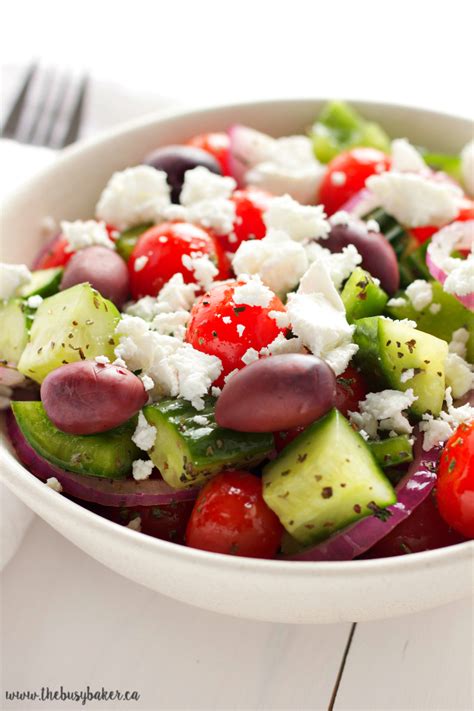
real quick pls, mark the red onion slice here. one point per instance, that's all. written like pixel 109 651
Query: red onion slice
pixel 458 235
pixel 126 492
pixel 358 538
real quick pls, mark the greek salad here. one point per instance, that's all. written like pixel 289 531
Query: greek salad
pixel 258 346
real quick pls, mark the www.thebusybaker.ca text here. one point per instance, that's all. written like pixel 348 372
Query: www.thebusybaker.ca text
pixel 81 696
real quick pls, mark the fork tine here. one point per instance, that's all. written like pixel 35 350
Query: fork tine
pixel 72 131
pixel 48 120
pixel 40 96
pixel 11 123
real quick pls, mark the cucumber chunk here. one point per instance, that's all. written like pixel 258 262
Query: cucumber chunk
pixel 187 452
pixel 392 451
pixel 389 350
pixel 324 480
pixel 13 331
pixel 362 297
pixel 76 324
pixel 450 316
pixel 44 282
pixel 108 455
pixel 128 239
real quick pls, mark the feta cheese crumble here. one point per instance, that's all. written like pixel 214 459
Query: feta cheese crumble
pixel 405 158
pixel 142 469
pixel 133 196
pixel 459 341
pixel 435 308
pixel 277 259
pixel 203 269
pixel 384 411
pixel 102 359
pixel 54 484
pixel 85 233
pixel 281 318
pixel 289 167
pixel 317 315
pixel 459 375
pixel 250 356
pixel 240 329
pixel 145 434
pixel 35 301
pixel 407 375
pixel 176 368
pixel 460 272
pixel 12 277
pixel 252 292
pixel 175 296
pixel 416 200
pixel 420 293
pixel 339 265
pixel 201 184
pixel 300 222
pixel 439 430
pixel 397 302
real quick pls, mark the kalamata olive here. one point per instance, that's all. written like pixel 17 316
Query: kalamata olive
pixel 87 397
pixel 378 255
pixel 103 269
pixel 277 393
pixel 176 160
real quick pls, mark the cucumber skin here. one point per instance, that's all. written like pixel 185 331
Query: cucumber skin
pixel 44 283
pixel 362 297
pixel 13 330
pixel 108 455
pixel 190 458
pixel 392 451
pixel 378 358
pixel 452 316
pixel 128 238
pixel 318 460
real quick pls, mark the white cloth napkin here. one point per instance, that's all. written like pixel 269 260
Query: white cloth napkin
pixel 106 104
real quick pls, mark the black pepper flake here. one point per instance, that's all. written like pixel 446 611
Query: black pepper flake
pixel 286 472
pixel 238 309
pixel 343 485
pixel 357 508
pixel 439 373
pixel 318 477
pixel 96 302
pixel 70 335
pixel 411 345
pixel 309 526
pixel 291 523
pixel 205 303
pixel 75 323
pixel 39 350
pixel 82 354
pixel 214 333
pixel 284 496
pixel 64 362
pixel 52 344
pixel 363 283
pixel 327 492
pixel 111 342
pixel 399 354
pixel 302 457
pixel 427 362
pixel 399 345
pixel 388 343
pixel 381 514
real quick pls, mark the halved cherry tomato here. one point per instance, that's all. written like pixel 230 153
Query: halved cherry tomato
pixel 455 486
pixel 351 389
pixel 164 247
pixel 230 516
pixel 217 144
pixel 250 205
pixel 422 234
pixel 346 175
pixel 56 253
pixel 227 330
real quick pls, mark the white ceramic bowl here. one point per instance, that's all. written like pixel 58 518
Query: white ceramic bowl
pixel 243 587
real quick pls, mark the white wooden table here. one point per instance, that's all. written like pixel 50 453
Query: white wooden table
pixel 69 621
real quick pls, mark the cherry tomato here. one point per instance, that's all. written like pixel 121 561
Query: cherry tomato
pixel 250 204
pixel 351 388
pixel 217 144
pixel 455 486
pixel 220 327
pixel 56 253
pixel 424 530
pixel 164 246
pixel 422 234
pixel 346 175
pixel 230 516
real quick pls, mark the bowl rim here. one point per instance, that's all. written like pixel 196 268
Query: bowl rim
pixel 446 555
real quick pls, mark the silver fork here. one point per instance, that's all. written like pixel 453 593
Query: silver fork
pixel 47 109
